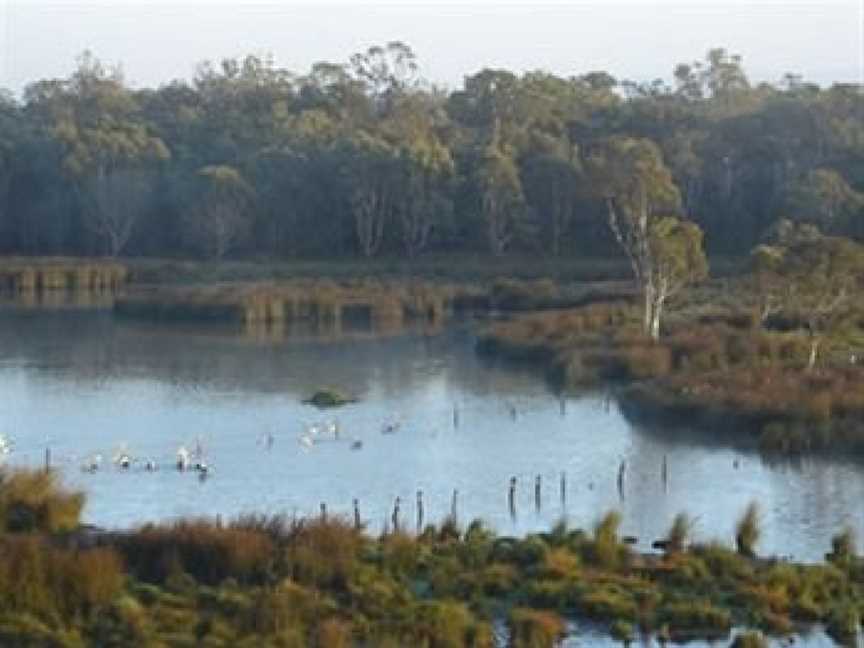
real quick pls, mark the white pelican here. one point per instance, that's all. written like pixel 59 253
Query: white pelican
pixel 182 458
pixel 306 441
pixel 92 463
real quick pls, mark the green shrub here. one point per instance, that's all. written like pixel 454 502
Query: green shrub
pixel 748 530
pixel 609 602
pixel 205 550
pixel 843 548
pixel 678 533
pixel 696 618
pixel 32 500
pixel 605 550
pixel 843 622
pixel 750 640
pixel 46 582
pixel 534 628
pixel 622 631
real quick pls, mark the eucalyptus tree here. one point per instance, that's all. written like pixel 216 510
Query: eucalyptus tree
pixel 502 204
pixel 220 217
pixel 371 168
pixel 812 279
pixel 108 152
pixel 665 253
pixel 553 188
pixel 824 198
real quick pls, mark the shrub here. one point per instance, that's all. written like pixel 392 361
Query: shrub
pixel 622 631
pixel 696 617
pixel 33 501
pixel 443 624
pixel 334 633
pixel 750 640
pixel 207 551
pixel 605 550
pixel 609 602
pixel 323 552
pixel 748 530
pixel 843 622
pixel 843 548
pixel 678 533
pixel 559 563
pixel 47 582
pixel 534 628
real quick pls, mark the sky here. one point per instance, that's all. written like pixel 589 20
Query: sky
pixel 156 41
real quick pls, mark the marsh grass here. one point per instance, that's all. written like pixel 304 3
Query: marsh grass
pixel 278 581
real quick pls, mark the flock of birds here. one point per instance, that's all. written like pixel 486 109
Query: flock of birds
pixel 193 458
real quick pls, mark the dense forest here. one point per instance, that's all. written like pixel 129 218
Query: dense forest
pixel 366 158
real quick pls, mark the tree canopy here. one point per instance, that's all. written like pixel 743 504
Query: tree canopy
pixel 365 157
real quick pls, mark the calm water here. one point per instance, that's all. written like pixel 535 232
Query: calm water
pixel 83 383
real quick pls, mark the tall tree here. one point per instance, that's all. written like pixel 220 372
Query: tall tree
pixel 641 200
pixel 813 279
pixel 501 200
pixel 108 152
pixel 220 217
pixel 552 188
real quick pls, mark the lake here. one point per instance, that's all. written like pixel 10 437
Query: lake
pixel 82 382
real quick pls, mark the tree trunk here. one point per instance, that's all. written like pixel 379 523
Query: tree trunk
pixel 648 308
pixel 814 353
pixel 656 312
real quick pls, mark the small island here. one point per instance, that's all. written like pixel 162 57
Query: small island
pixel 328 397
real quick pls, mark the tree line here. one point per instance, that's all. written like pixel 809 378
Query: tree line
pixel 366 158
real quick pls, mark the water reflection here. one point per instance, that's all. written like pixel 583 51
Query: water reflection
pixel 85 383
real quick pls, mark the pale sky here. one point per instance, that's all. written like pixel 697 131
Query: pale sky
pixel 159 40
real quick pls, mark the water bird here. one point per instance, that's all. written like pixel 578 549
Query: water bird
pixel 306 441
pixel 357 444
pixel 92 463
pixel 182 458
pixel 390 428
pixel 630 540
pixel 511 408
pixel 5 446
pixel 267 440
pixel 150 466
pixel 124 461
pixel 333 429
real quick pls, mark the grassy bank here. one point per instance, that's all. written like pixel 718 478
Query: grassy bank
pixel 273 581
pixel 718 367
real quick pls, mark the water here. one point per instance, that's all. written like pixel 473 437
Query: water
pixel 81 382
